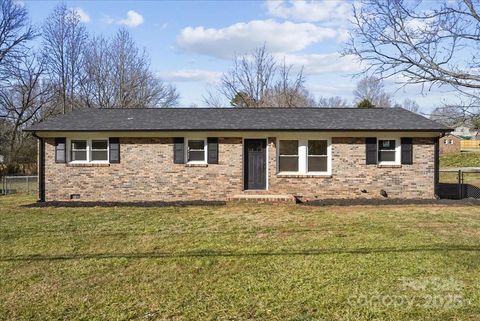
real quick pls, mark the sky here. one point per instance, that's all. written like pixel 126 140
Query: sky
pixel 191 43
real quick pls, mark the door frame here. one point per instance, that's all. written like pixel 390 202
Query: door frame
pixel 266 163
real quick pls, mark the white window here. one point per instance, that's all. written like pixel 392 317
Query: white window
pixel 88 151
pixel 451 141
pixel 388 151
pixel 196 151
pixel 99 150
pixel 79 151
pixel 317 156
pixel 304 157
pixel 445 141
pixel 288 156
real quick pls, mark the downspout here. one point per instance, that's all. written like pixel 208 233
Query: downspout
pixel 436 165
pixel 41 167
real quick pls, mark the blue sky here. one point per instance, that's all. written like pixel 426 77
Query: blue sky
pixel 192 42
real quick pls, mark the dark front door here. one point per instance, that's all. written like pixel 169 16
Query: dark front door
pixel 255 163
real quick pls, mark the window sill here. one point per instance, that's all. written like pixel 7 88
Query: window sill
pixel 389 166
pixel 280 175
pixel 88 164
pixel 196 165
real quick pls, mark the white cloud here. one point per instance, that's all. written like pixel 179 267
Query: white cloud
pixel 315 64
pixel 133 19
pixel 82 14
pixel 187 75
pixel 162 26
pixel 242 37
pixel 334 11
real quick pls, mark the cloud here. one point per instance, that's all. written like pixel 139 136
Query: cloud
pixel 188 75
pixel 333 11
pixel 82 14
pixel 315 64
pixel 244 36
pixel 161 26
pixel 133 19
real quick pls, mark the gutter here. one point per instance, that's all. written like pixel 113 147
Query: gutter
pixel 441 130
pixel 41 167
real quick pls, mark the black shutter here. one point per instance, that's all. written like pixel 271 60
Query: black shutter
pixel 60 150
pixel 114 147
pixel 371 150
pixel 212 151
pixel 407 151
pixel 178 150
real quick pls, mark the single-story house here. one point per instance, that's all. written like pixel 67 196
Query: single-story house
pixel 450 144
pixel 463 131
pixel 189 154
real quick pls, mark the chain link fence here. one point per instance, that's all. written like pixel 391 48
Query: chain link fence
pixel 19 184
pixel 458 184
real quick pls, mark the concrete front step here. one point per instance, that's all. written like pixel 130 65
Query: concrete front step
pixel 262 198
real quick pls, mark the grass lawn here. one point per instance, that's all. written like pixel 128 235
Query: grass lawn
pixel 464 159
pixel 239 262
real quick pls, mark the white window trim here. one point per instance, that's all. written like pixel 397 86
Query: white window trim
pixel 89 151
pixel 297 155
pixel 329 152
pixel 398 151
pixel 303 157
pixel 205 148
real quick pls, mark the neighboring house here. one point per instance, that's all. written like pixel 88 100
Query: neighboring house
pixel 463 131
pixel 450 144
pixel 180 154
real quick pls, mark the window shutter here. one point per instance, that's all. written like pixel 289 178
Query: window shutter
pixel 407 150
pixel 60 150
pixel 178 150
pixel 371 150
pixel 114 147
pixel 212 150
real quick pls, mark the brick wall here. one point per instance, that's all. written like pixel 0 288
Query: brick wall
pixel 350 174
pixel 147 173
pixel 450 144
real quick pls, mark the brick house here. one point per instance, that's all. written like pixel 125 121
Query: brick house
pixel 179 154
pixel 450 144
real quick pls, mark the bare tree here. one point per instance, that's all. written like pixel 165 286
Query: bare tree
pixel 97 89
pixel 409 104
pixel 463 113
pixel 118 76
pixel 64 38
pixel 335 101
pixel 258 80
pixel 213 99
pixel 372 89
pixel 24 98
pixel 289 91
pixel 434 43
pixel 15 33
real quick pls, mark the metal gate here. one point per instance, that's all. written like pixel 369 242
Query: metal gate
pixel 458 184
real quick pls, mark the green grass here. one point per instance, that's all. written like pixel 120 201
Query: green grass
pixel 464 159
pixel 239 262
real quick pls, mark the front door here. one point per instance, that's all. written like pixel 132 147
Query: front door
pixel 255 163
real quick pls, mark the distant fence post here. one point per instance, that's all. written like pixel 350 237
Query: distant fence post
pixel 460 183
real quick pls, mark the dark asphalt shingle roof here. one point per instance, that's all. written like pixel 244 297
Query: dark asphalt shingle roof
pixel 243 119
